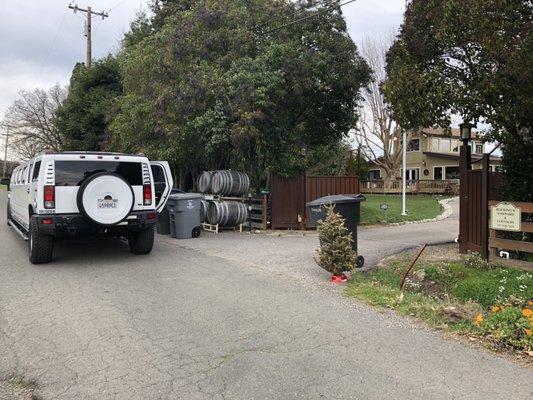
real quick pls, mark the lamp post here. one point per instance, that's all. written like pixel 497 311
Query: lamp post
pixel 465 164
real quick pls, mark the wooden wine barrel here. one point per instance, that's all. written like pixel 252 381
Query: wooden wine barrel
pixel 204 208
pixel 230 183
pixel 227 213
pixel 204 181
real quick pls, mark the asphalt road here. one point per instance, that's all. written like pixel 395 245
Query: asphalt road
pixel 182 323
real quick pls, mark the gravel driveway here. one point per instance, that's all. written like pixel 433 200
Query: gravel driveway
pixel 209 323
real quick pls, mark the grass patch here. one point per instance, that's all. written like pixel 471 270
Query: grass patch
pixel 419 207
pixel 16 386
pixel 3 187
pixel 466 297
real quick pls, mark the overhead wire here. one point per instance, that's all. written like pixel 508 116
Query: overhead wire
pixel 318 12
pixel 45 60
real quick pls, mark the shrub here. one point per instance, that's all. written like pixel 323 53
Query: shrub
pixel 336 253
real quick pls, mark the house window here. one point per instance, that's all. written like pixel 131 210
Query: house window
pixel 478 148
pixel 452 172
pixel 455 146
pixel 437 173
pixel 413 145
pixel 412 174
pixel 444 145
pixel 374 174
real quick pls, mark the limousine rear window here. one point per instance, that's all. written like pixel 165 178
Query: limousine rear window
pixel 73 173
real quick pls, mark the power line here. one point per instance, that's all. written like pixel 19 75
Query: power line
pixel 309 16
pixel 53 43
pixel 116 5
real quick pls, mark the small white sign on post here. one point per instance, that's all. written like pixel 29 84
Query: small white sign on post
pixel 506 217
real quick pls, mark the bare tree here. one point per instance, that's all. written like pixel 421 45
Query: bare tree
pixel 31 121
pixel 378 135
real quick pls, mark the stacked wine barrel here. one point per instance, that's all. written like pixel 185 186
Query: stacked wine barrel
pixel 204 209
pixel 224 183
pixel 227 213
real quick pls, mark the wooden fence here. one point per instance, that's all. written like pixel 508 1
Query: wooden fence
pixel 290 195
pixel 447 186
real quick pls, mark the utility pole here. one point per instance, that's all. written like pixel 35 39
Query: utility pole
pixel 5 152
pixel 88 32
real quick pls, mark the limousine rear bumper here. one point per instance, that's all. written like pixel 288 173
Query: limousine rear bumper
pixel 66 225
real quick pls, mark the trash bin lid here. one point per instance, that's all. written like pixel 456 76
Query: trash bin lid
pixel 337 199
pixel 186 196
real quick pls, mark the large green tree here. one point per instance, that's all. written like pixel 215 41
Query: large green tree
pixel 232 83
pixel 83 118
pixel 473 58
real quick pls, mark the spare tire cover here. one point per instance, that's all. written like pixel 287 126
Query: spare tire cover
pixel 105 198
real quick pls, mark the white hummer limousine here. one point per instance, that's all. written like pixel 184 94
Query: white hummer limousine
pixel 67 194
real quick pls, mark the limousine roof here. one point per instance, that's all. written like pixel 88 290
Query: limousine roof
pixel 92 153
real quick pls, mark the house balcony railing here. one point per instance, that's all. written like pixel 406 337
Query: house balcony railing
pixel 446 186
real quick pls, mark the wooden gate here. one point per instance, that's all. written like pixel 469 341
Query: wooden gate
pixel 476 192
pixel 289 196
pixel 288 202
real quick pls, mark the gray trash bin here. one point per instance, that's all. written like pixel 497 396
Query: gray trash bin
pixel 348 206
pixel 184 213
pixel 163 219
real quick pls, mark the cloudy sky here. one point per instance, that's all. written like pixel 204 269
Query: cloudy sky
pixel 41 40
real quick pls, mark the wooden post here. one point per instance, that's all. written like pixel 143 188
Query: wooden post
pixel 485 207
pixel 465 164
pixel 303 222
pixel 264 216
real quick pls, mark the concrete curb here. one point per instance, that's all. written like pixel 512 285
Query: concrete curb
pixel 445 214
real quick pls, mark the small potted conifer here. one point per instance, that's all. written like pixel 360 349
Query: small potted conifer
pixel 336 253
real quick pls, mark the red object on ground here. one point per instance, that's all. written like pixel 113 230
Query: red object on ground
pixel 338 278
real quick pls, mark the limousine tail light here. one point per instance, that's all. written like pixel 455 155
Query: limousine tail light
pixel 147 194
pixel 49 197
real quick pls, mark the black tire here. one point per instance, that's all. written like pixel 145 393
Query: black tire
pixel 141 242
pixel 8 213
pixel 41 246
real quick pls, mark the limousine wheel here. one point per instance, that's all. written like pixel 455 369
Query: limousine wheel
pixel 141 242
pixel 8 213
pixel 105 198
pixel 41 246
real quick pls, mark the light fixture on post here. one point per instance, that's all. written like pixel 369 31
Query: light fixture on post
pixel 465 130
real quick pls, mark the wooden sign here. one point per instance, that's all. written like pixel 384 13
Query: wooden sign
pixel 506 217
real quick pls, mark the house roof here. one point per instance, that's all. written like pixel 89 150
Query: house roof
pixel 451 156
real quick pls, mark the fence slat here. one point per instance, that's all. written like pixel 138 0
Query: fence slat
pixel 511 244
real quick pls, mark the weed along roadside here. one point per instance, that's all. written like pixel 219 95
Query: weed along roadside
pixel 461 295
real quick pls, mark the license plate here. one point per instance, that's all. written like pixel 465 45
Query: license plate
pixel 106 204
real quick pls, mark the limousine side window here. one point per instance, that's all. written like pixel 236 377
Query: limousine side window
pixel 36 169
pixel 27 176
